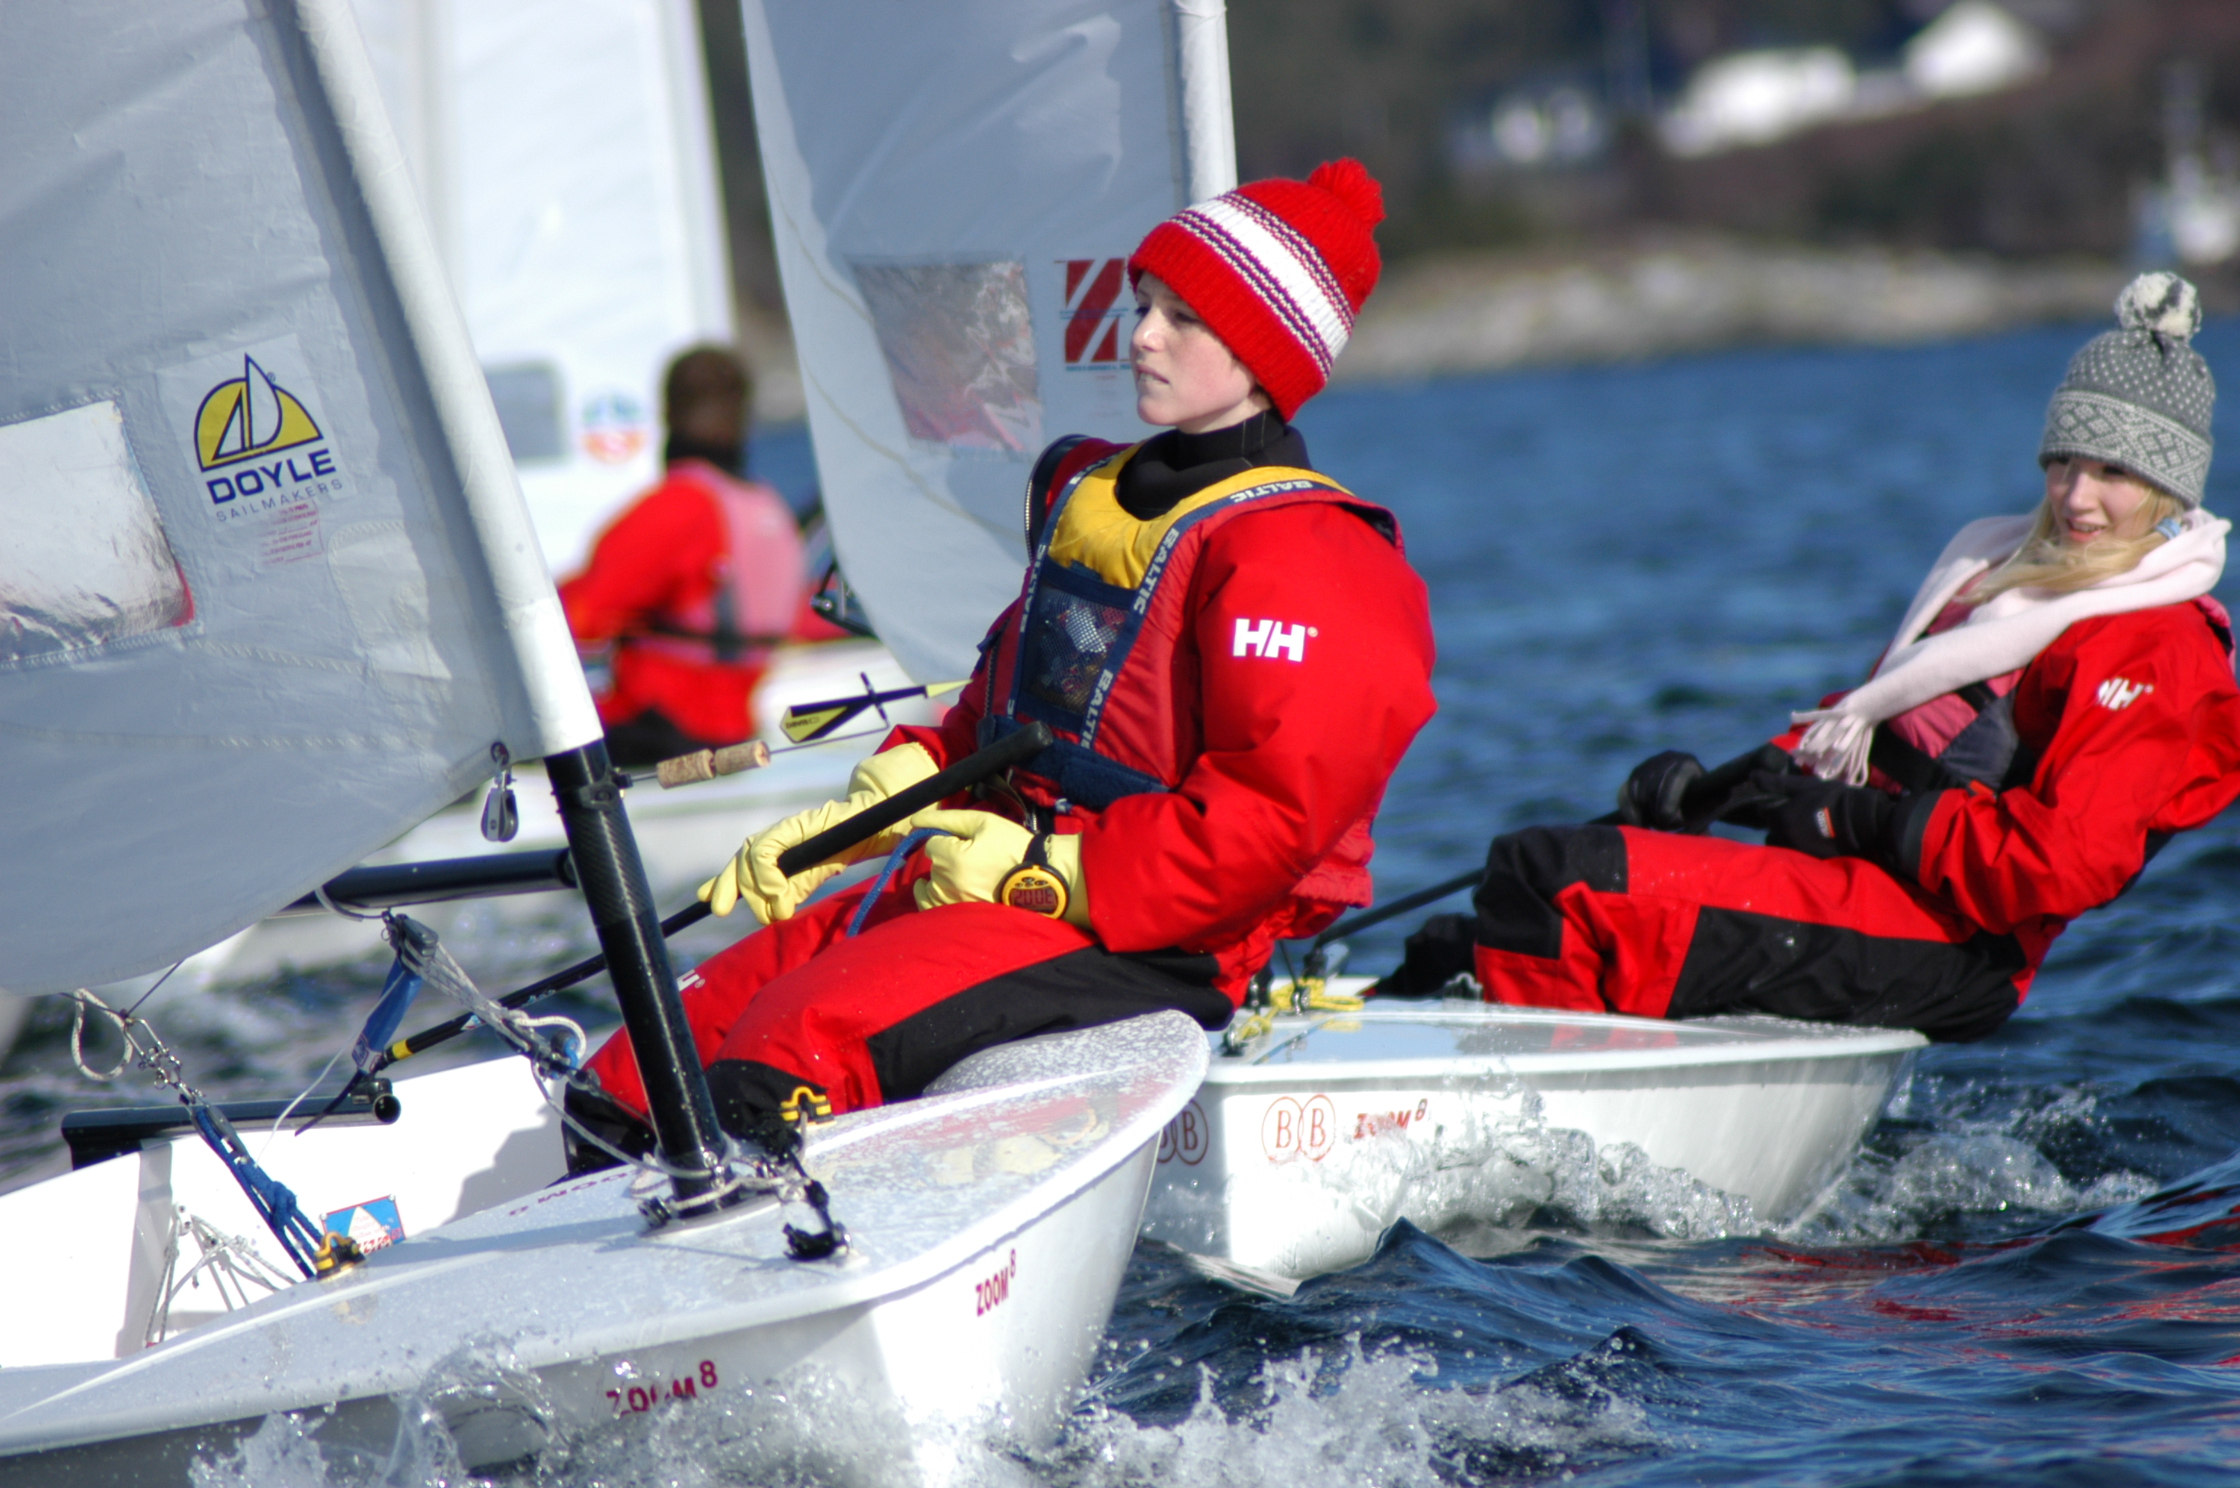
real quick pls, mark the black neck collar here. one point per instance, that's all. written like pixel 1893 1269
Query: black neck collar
pixel 1175 465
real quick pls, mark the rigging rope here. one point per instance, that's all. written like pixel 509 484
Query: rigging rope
pixel 313 1252
pixel 778 1170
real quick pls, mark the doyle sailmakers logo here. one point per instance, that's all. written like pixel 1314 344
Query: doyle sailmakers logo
pixel 248 416
pixel 253 437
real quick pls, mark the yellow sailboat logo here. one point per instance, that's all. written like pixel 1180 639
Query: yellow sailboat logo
pixel 247 416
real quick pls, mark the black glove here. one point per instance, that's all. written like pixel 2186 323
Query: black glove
pixel 1821 817
pixel 1443 948
pixel 1655 794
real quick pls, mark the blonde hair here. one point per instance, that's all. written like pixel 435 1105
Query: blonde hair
pixel 2044 561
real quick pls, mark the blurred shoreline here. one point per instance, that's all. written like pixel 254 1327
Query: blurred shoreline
pixel 1483 312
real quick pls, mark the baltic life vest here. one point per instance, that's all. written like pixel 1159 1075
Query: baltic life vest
pixel 1968 735
pixel 1091 647
pixel 759 578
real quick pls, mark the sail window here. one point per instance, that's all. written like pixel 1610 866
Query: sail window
pixel 960 351
pixel 528 398
pixel 85 562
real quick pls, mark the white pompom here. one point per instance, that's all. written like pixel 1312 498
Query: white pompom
pixel 2162 303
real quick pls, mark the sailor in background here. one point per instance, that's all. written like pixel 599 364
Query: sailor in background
pixel 690 588
pixel 1233 653
pixel 2057 702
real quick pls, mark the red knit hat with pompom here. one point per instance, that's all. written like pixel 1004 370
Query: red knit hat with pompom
pixel 1278 269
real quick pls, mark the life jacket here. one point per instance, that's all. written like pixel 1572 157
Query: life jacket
pixel 1091 647
pixel 1968 735
pixel 759 578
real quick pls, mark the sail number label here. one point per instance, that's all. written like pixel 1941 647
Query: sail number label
pixel 638 1399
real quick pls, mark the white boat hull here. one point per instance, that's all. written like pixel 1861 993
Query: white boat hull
pixel 1298 1152
pixel 989 1229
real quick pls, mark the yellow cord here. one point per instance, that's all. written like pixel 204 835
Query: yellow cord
pixel 1233 1042
pixel 1313 995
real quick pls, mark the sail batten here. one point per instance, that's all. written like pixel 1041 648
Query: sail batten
pixel 301 596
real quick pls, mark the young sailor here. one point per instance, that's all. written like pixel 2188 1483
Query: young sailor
pixel 694 583
pixel 2058 701
pixel 1233 653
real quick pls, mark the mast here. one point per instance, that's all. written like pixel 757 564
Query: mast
pixel 629 930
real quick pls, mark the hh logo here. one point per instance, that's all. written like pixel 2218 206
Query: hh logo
pixel 248 416
pixel 1270 639
pixel 1094 312
pixel 2118 693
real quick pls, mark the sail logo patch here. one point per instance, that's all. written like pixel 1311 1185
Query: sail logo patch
pixel 1095 311
pixel 260 449
pixel 250 416
pixel 2119 693
pixel 265 447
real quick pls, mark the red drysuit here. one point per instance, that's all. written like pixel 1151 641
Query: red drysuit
pixel 2128 730
pixel 1282 755
pixel 693 584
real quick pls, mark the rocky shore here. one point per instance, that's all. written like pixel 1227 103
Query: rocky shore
pixel 1482 312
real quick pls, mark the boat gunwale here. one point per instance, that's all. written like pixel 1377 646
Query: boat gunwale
pixel 1697 1047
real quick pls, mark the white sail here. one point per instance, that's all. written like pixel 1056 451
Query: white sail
pixel 952 260
pixel 562 149
pixel 286 596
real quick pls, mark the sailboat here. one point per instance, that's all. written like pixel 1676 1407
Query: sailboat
pixel 331 638
pixel 955 292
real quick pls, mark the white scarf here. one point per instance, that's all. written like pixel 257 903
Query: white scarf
pixel 2000 635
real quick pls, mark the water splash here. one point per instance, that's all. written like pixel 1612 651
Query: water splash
pixel 1348 1416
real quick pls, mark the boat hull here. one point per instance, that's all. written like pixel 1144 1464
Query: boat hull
pixel 989 1230
pixel 1296 1154
pixel 910 1388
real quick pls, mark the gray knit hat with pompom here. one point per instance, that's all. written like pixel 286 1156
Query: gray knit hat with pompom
pixel 2139 396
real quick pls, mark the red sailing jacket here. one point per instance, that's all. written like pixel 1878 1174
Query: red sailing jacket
pixel 2135 720
pixel 699 549
pixel 2133 724
pixel 1281 671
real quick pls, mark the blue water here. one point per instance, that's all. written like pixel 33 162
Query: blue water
pixel 1620 561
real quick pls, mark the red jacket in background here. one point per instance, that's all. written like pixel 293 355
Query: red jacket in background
pixel 660 566
pixel 1289 757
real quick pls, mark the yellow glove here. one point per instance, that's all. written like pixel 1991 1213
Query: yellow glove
pixel 988 859
pixel 752 874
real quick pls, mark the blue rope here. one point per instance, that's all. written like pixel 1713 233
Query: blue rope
pixel 908 845
pixel 274 1202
